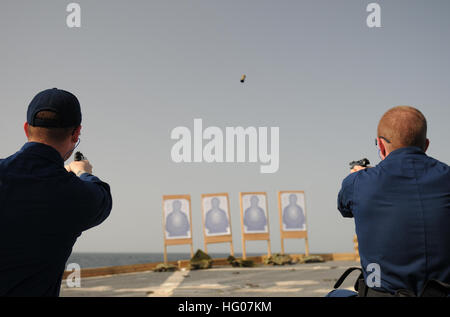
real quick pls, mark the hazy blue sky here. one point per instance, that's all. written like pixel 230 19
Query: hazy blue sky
pixel 142 68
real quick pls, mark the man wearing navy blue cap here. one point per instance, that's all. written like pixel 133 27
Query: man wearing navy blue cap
pixel 401 209
pixel 44 205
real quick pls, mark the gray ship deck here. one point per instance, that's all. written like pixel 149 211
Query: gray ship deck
pixel 313 279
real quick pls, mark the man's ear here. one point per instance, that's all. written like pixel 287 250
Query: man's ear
pixel 25 128
pixel 76 134
pixel 427 144
pixel 382 147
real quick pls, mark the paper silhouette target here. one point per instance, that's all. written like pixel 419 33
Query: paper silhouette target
pixel 177 219
pixel 216 215
pixel 255 213
pixel 293 211
pixel 254 219
pixel 216 220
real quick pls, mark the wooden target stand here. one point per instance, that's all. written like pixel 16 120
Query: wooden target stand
pixel 299 234
pixel 226 238
pixel 253 236
pixel 168 241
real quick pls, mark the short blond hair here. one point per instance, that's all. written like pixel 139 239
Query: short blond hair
pixel 403 126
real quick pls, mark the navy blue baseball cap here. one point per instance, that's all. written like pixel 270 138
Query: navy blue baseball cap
pixel 63 103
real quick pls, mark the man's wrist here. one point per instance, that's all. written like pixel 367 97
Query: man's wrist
pixel 79 173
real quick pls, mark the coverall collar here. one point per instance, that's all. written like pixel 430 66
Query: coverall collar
pixel 43 150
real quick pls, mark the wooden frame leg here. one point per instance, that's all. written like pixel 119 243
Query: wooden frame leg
pixel 165 254
pixel 269 252
pixel 282 246
pixel 306 247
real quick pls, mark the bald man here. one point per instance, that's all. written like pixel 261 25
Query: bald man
pixel 401 209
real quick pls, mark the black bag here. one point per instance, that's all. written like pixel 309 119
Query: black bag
pixel 432 288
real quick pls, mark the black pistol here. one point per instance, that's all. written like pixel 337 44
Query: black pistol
pixel 363 162
pixel 79 157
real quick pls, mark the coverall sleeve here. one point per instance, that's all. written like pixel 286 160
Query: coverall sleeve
pixel 345 199
pixel 97 201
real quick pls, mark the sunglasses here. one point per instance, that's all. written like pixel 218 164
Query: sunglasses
pixel 381 137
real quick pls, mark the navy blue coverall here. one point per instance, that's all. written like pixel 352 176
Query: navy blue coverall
pixel 43 210
pixel 401 209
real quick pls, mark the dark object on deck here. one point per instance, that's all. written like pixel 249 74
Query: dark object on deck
pixel 200 260
pixel 243 78
pixel 79 156
pixel 312 259
pixel 240 262
pixel 165 268
pixel 279 259
pixel 363 162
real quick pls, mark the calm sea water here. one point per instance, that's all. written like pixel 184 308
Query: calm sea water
pixel 89 260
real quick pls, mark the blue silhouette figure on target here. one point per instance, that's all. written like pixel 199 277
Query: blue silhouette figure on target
pixel 216 218
pixel 254 216
pixel 293 217
pixel 177 223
